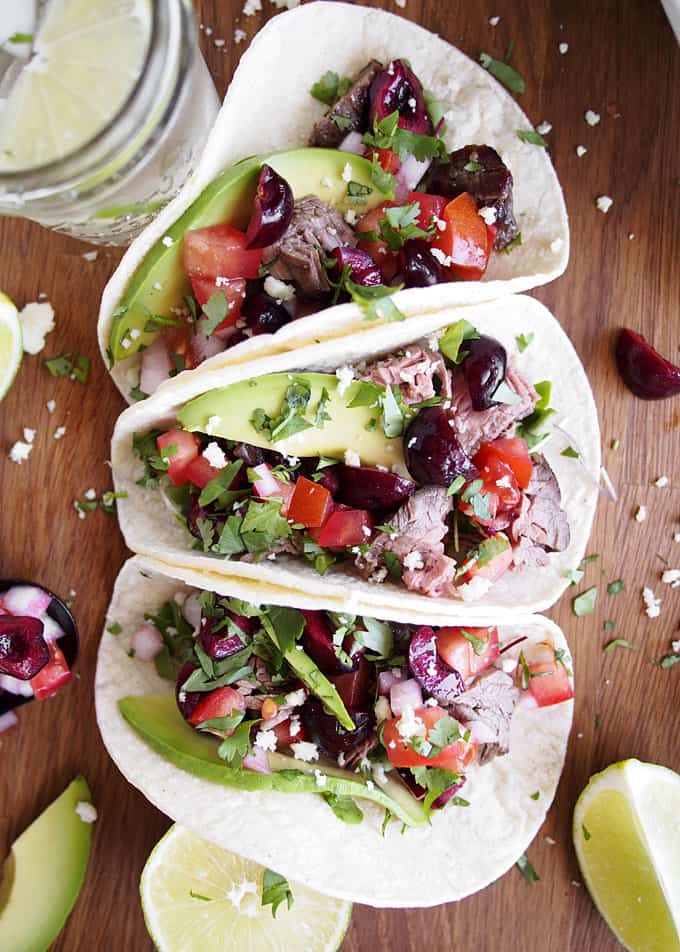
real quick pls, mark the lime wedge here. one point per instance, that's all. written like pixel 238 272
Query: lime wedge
pixel 197 897
pixel 627 840
pixel 87 57
pixel 11 348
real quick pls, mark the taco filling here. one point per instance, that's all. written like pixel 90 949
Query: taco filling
pixel 374 205
pixel 419 467
pixel 355 706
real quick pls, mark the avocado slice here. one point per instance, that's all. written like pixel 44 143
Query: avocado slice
pixel 44 872
pixel 158 722
pixel 159 284
pixel 228 412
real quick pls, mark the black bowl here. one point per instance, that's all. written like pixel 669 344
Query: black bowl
pixel 69 642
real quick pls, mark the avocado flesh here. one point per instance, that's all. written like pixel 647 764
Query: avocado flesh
pixel 228 411
pixel 44 872
pixel 159 283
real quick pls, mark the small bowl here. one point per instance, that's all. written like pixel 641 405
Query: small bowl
pixel 68 643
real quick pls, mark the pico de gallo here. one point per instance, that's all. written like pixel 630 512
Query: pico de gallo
pixel 442 217
pixel 464 500
pixel 405 711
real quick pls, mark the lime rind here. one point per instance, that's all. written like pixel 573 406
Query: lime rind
pixel 11 344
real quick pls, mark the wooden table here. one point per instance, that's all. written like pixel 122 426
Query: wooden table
pixel 623 63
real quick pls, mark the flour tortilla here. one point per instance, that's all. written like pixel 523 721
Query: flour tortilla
pixel 297 834
pixel 268 108
pixel 150 528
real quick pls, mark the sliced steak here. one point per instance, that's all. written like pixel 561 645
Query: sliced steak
pixel 486 709
pixel 415 372
pixel 490 186
pixel 474 427
pixel 353 106
pixel 541 525
pixel 296 257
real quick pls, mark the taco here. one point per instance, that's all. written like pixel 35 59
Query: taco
pixel 402 468
pixel 396 764
pixel 407 189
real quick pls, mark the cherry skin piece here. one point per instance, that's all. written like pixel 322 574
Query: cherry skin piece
pixel 643 370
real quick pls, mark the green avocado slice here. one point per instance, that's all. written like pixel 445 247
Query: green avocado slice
pixel 158 722
pixel 228 412
pixel 159 284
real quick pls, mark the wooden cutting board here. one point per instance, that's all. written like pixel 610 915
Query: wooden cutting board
pixel 623 62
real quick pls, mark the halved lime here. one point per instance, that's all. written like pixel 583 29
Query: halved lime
pixel 197 897
pixel 11 348
pixel 87 56
pixel 627 839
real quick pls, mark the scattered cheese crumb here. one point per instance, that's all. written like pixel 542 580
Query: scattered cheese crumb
pixel 550 841
pixel 652 603
pixel 544 128
pixel 401 4
pixel 125 343
pixel 378 576
pixel 563 48
pixel 345 376
pixel 168 241
pixel 59 432
pixel 278 289
pixel 661 482
pixel 305 750
pixel 90 494
pixel 86 811
pixel 37 320
pixel 351 217
pixel 488 213
pixel 641 514
pixel 592 118
pixel 288 4
pixel 219 43
pixel 604 203
pixel 29 434
pixel 631 236
pixel 409 725
pixel 90 255
pixel 671 577
pixel 265 740
pixel 675 645
pixel 213 421
pixel 251 7
pixel 352 458
pixel 474 589
pixel 413 560
pixel 494 21
pixel 676 537
pixel 135 333
pixel 320 778
pixel 158 286
pixel 20 452
pixel 347 173
pixel 239 35
pixel 51 406
pixel 442 258
pixel 215 456
pixel 296 698
pixel 581 151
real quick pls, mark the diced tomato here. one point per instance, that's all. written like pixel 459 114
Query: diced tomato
pixel 344 527
pixel 389 160
pixel 186 448
pixel 491 569
pixel 268 486
pixel 456 756
pixel 284 732
pixel 200 472
pixel 310 504
pixel 431 208
pixel 511 450
pixel 54 675
pixel 464 240
pixel 459 652
pixel 234 292
pixel 219 251
pixel 370 222
pixel 549 681
pixel 218 703
pixel 499 491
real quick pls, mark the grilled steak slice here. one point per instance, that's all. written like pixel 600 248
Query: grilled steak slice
pixel 353 106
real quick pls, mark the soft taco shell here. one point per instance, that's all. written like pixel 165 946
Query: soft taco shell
pixel 298 835
pixel 268 108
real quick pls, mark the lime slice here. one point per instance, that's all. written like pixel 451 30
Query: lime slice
pixel 627 840
pixel 11 348
pixel 87 57
pixel 197 897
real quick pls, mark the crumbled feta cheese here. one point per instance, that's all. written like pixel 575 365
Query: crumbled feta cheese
pixel 671 577
pixel 676 537
pixel 345 376
pixel 370 785
pixel 213 422
pixel 474 589
pixel 631 236
pixel 488 214
pixel 327 182
pixel 305 750
pixel 296 698
pixel 550 841
pixel 278 289
pixel 504 482
pixel 29 434
pixel 37 320
pixel 675 645
pixel 661 482
pixel 591 117
pixel 219 43
pixel 382 709
pixel 413 560
pixel 86 811
pixel 265 740
pixel 401 4
pixel 294 728
pixel 215 456
pixel 412 102
pixel 563 48
pixel 351 217
pixel 320 778
pixel 168 241
pixel 239 36
pixel 287 4
pixel 581 151
pixel 440 223
pixel 135 333
pixel 90 494
pixel 494 21
pixel 652 603
pixel 431 702
pixel 409 725
pixel 51 406
pixel 604 203
pixel 90 255
pixel 641 514
pixel 251 7
pixel 352 458
pixel 544 128
pixel 347 173
pixel 20 452
pixel 442 258
pixel 125 343
pixel 59 432
pixel 378 576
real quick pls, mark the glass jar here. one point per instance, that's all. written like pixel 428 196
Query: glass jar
pixel 109 188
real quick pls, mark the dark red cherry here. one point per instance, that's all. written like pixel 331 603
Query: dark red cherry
pixel 325 731
pixel 365 488
pixel 484 368
pixel 643 370
pixel 23 650
pixel 398 88
pixel 433 674
pixel 418 265
pixel 272 209
pixel 434 456
pixel 362 268
pixel 264 315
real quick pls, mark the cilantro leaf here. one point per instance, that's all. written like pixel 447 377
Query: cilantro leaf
pixel 618 643
pixel 570 452
pixel 667 661
pixel 234 748
pixel 523 341
pixel 288 625
pixel 452 339
pixel 330 88
pixel 531 137
pixel 584 604
pixel 527 870
pixel 275 890
pixel 479 645
pixel 344 808
pixel 215 310
pixel 503 72
pixel 322 415
pixel 615 587
pixel 435 780
pixel 216 489
pixel 387 134
pixel 263 525
pixel 383 180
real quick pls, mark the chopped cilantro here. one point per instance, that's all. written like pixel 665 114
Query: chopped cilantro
pixel 451 340
pixel 473 167
pixel 383 180
pixel 387 134
pixel 570 452
pixel 291 416
pixel 65 365
pixel 479 645
pixel 392 564
pixel 114 628
pixel 322 416
pixel 330 88
pixel 574 575
pixel 435 780
pixel 234 748
pixel 523 341
pixel 456 486
pixel 536 795
pixel 218 489
pixel 618 643
pixel 587 559
pixel 608 625
pixel 531 137
pixel 358 192
pixel 584 604
pixel 155 464
pixel 527 870
pixel 515 243
pixel 21 38
pixel 215 310
pixel 667 661
pixel 376 302
pixel 531 427
pixel 615 444
pixel 137 394
pixel 344 808
pixel 342 122
pixel 503 72
pixel 615 587
pixel 275 890
pixel 108 500
pixel 400 224
pixel 586 832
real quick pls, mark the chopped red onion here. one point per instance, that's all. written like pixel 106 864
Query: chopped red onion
pixel 387 678
pixel 146 642
pixel 191 610
pixel 405 694
pixel 257 760
pixel 156 366
pixel 15 686
pixel 410 173
pixel 352 143
pixel 26 600
pixel 8 720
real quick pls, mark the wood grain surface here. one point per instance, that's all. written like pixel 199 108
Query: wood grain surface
pixel 623 63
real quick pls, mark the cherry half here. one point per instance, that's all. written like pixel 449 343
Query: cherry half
pixel 643 370
pixel 272 209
